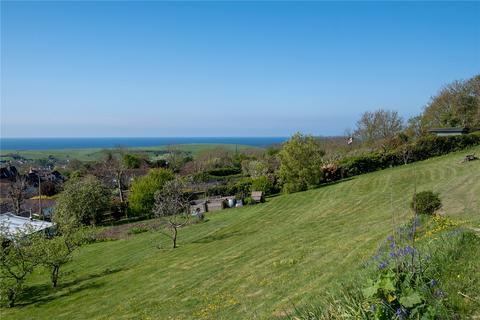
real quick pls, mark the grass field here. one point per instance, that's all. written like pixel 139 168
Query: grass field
pixel 97 153
pixel 253 262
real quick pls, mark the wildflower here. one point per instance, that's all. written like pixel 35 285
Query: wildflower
pixel 432 283
pixel 401 313
pixel 373 307
pixel 383 265
pixel 409 250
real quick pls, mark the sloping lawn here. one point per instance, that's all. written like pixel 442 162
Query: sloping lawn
pixel 253 262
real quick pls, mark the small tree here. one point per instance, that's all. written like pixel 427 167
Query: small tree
pixel 17 260
pixel 57 251
pixel 82 202
pixel 300 163
pixel 172 206
pixel 141 199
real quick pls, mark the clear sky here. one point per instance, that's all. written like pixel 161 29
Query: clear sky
pixel 224 69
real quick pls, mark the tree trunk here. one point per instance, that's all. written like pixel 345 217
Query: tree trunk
pixel 55 271
pixel 119 186
pixel 174 237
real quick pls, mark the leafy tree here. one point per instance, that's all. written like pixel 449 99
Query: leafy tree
pixel 17 260
pixel 456 105
pixel 55 252
pixel 378 128
pixel 82 202
pixel 141 199
pixel 255 168
pixel 300 163
pixel 172 206
pixel 426 202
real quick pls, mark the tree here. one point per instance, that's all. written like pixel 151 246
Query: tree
pixel 17 260
pixel 112 171
pixel 172 206
pixel 57 251
pixel 82 202
pixel 300 163
pixel 16 192
pixel 254 168
pixel 456 105
pixel 141 199
pixel 378 128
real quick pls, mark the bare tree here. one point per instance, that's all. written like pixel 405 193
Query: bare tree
pixel 172 206
pixel 16 192
pixel 379 127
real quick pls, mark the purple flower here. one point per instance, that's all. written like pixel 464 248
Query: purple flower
pixel 409 250
pixel 383 265
pixel 433 283
pixel 401 313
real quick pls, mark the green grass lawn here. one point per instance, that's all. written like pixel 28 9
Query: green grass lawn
pixel 97 153
pixel 253 262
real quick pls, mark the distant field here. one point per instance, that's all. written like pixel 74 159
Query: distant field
pixel 96 153
pixel 254 262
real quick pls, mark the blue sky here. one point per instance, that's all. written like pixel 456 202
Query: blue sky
pixel 224 69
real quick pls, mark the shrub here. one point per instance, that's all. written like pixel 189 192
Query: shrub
pixel 141 199
pixel 427 202
pixel 248 201
pixel 48 188
pixel 131 161
pixel 264 184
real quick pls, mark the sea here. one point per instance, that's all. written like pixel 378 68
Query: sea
pixel 19 144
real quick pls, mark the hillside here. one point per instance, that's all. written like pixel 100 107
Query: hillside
pixel 254 262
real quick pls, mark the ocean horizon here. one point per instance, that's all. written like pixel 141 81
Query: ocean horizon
pixel 19 144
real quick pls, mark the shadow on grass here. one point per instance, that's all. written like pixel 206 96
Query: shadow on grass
pixel 44 293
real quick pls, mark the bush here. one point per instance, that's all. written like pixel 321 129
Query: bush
pixel 427 202
pixel 141 199
pixel 264 184
pixel 137 230
pixel 132 161
pixel 248 201
pixel 48 188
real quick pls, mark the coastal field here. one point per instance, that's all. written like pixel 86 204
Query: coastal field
pixel 93 154
pixel 254 262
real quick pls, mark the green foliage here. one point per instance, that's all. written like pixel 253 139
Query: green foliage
pixel 132 161
pixel 18 259
pixel 137 230
pixel 254 168
pixel 426 202
pixel 456 105
pixel 265 184
pixel 300 163
pixel 83 201
pixel 55 252
pixel 141 198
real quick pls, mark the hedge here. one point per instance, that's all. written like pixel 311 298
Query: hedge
pixel 424 148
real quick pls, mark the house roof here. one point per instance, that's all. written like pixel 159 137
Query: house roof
pixel 16 223
pixel 449 130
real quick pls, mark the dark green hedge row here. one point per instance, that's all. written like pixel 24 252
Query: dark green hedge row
pixel 240 188
pixel 427 147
